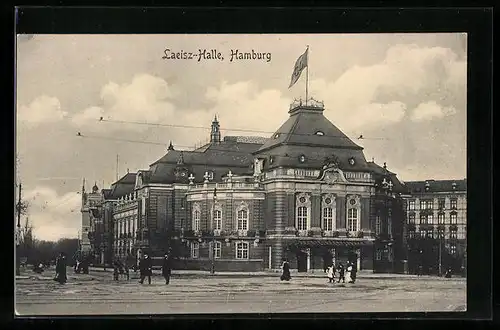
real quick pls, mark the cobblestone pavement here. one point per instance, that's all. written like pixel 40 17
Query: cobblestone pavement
pixel 97 293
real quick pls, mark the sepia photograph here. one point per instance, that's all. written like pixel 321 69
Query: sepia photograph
pixel 240 173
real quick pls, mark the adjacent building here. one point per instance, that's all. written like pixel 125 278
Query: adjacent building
pixel 306 194
pixel 437 225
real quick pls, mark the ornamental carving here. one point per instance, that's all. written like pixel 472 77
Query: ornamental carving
pixel 303 199
pixel 328 200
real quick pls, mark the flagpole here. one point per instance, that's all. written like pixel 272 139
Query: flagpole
pixel 307 73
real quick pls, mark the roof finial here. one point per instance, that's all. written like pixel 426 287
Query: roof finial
pixel 170 146
pixel 385 165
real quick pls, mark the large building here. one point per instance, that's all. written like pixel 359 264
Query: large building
pixel 307 194
pixel 437 225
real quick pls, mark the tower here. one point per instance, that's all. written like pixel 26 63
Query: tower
pixel 215 132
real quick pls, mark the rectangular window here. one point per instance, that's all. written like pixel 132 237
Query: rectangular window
pixel 242 220
pixel 453 234
pixel 327 219
pixel 377 226
pixel 441 203
pixel 453 249
pixel 422 233
pixel 302 218
pixel 430 219
pixel 352 220
pixel 453 218
pixel 378 255
pixel 217 250
pixel 389 227
pixel 411 233
pixel 242 250
pixel 423 219
pixel 441 233
pixel 422 204
pixel 429 233
pixel 217 221
pixel 453 203
pixel 411 218
pixel 411 205
pixel 441 219
pixel 195 249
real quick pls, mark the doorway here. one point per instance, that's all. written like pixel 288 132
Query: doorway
pixel 327 259
pixel 301 262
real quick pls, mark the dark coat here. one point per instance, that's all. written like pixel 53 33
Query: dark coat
pixel 146 267
pixel 166 268
pixel 286 271
pixel 61 270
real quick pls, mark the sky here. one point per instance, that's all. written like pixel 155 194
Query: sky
pixel 405 93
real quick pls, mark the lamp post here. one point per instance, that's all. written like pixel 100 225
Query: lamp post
pixel 212 269
pixel 440 255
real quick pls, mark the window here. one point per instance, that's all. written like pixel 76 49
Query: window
pixel 302 158
pixel 411 218
pixel 453 234
pixel 196 220
pixel 242 219
pixel 195 249
pixel 411 233
pixel 453 249
pixel 217 250
pixel 426 204
pixel 377 226
pixel 411 205
pixel 328 218
pixel 429 233
pixel 352 219
pixel 441 233
pixel 242 250
pixel 453 218
pixel 320 133
pixel 302 218
pixel 422 233
pixel 217 222
pixel 430 219
pixel 441 203
pixel 441 219
pixel 389 227
pixel 423 219
pixel 378 255
pixel 277 135
pixel 453 203
pixel 422 204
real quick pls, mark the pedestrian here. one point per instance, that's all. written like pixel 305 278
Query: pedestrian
pixel 354 270
pixel 61 269
pixel 330 274
pixel 285 276
pixel 166 269
pixel 341 273
pixel 116 270
pixel 146 268
pixel 348 272
pixel 448 273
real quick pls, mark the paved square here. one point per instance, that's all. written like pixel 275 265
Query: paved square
pixel 98 294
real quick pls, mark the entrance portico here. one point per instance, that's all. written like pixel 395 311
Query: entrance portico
pixel 315 254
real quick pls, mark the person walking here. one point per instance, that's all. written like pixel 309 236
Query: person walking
pixel 330 274
pixel 146 268
pixel 354 270
pixel 166 269
pixel 341 273
pixel 285 276
pixel 61 265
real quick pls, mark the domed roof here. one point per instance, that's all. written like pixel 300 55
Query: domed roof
pixel 95 188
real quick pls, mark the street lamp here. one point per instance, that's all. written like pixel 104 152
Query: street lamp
pixel 212 269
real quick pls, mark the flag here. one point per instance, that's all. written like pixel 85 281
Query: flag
pixel 299 66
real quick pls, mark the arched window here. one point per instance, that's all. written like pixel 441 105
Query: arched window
pixel 303 206
pixel 328 213
pixel 196 218
pixel 242 217
pixel 217 217
pixel 352 219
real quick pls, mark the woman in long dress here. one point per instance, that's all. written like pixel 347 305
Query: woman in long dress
pixel 285 276
pixel 348 272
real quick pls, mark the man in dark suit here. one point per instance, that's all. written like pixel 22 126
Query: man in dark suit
pixel 146 268
pixel 166 268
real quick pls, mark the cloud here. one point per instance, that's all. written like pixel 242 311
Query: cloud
pixel 54 216
pixel 43 109
pixel 431 110
pixel 144 99
pixel 405 73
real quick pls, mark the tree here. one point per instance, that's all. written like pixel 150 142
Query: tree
pixel 27 241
